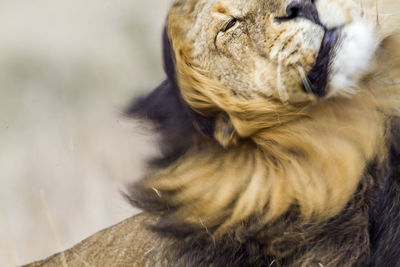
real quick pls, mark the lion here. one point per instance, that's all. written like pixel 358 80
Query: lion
pixel 279 134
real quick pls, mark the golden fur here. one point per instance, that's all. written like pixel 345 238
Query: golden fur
pixel 309 154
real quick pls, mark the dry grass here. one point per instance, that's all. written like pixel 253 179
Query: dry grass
pixel 67 68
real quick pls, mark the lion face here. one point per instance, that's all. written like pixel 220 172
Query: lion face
pixel 289 51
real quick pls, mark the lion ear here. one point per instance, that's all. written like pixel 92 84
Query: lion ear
pixel 224 131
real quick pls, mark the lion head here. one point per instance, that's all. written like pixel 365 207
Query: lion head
pixel 289 102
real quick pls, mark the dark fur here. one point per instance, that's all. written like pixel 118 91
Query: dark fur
pixel 365 233
pixel 385 216
pixel 172 118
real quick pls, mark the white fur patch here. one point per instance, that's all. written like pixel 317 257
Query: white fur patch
pixel 353 56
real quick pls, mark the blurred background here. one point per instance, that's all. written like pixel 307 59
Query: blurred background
pixel 68 68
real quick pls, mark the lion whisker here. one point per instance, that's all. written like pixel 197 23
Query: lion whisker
pixel 305 81
pixel 157 191
pixel 149 251
pixel 208 232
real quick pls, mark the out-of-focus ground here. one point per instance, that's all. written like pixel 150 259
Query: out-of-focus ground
pixel 67 70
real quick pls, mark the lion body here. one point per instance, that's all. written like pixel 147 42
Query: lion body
pixel 255 170
pixel 366 234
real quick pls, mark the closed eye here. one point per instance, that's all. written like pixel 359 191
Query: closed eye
pixel 230 24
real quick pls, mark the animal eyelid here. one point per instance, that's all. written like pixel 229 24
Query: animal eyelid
pixel 230 24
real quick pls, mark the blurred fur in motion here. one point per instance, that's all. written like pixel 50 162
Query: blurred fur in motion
pixel 267 160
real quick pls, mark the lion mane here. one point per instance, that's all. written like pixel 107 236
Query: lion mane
pixel 247 180
pixel 245 183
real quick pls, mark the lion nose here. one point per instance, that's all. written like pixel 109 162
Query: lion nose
pixel 303 8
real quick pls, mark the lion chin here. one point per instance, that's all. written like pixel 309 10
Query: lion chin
pixel 279 139
pixel 353 56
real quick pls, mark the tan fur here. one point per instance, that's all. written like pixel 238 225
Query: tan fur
pixel 315 162
pixel 311 154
